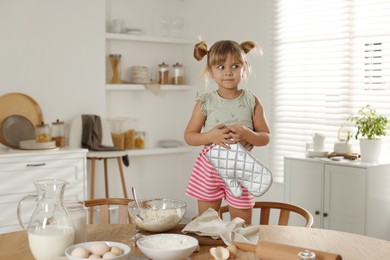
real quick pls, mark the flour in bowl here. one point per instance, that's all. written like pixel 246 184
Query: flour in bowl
pixel 166 242
pixel 155 220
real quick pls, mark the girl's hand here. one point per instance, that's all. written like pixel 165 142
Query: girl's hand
pixel 221 135
pixel 237 132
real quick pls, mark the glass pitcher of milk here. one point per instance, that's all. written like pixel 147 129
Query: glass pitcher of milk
pixel 50 230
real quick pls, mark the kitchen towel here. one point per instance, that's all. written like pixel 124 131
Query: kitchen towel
pixel 92 136
pixel 210 224
pixel 237 167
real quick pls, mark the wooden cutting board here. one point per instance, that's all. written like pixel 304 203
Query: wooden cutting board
pixel 19 104
pixel 203 240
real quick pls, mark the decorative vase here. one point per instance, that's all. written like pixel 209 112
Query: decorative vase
pixel 370 149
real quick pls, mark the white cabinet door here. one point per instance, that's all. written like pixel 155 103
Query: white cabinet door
pixel 304 187
pixel 345 198
pixel 19 171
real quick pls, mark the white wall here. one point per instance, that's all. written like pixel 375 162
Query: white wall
pixel 54 51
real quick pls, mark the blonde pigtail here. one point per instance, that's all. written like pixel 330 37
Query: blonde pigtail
pixel 200 50
pixel 248 46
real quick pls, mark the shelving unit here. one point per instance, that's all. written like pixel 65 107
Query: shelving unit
pixel 147 38
pixel 156 113
pixel 159 151
pixel 140 87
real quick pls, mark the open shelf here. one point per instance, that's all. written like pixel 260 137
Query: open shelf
pixel 147 38
pixel 158 151
pixel 140 87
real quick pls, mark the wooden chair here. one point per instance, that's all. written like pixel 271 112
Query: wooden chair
pixel 284 212
pixel 103 206
pixel 75 133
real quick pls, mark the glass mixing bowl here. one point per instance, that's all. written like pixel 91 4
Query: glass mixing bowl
pixel 157 215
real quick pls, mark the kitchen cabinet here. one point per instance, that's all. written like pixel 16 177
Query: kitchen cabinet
pixel 350 196
pixel 19 169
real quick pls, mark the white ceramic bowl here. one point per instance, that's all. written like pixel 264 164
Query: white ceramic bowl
pixel 157 215
pixel 167 246
pixel 87 245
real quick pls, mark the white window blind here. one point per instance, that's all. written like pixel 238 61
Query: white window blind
pixel 331 58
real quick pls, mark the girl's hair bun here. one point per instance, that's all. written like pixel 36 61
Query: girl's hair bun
pixel 200 50
pixel 247 46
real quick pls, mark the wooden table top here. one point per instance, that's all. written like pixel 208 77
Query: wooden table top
pixel 14 245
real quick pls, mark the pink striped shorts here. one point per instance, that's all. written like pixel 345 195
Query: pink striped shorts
pixel 205 184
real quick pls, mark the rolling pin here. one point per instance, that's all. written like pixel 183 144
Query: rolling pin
pixel 274 251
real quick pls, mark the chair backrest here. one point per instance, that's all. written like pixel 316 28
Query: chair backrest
pixel 284 212
pixel 105 208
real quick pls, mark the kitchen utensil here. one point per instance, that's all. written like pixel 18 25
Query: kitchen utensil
pixel 50 230
pixel 19 104
pixel 33 145
pixel 15 129
pixel 167 246
pixel 136 202
pixel 275 251
pixel 237 167
pixel 157 215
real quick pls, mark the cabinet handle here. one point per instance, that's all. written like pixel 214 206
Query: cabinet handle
pixel 317 212
pixel 325 215
pixel 36 165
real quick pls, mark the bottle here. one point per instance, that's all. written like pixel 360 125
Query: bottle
pixel 50 230
pixel 178 74
pixel 58 133
pixel 163 73
pixel 42 133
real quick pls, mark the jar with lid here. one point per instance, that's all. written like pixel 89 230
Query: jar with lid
pixel 139 140
pixel 178 74
pixel 163 73
pixel 58 133
pixel 42 133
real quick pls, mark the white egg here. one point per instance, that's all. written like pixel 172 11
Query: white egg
pixel 93 256
pixel 99 248
pixel 116 250
pixel 80 252
pixel 109 255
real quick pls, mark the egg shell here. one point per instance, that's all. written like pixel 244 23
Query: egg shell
pixel 109 255
pixel 99 248
pixel 116 250
pixel 80 252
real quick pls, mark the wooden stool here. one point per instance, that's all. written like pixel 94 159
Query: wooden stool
pixel 75 133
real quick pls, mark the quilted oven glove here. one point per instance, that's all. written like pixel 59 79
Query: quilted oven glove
pixel 237 166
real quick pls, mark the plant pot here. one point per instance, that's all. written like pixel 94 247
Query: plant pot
pixel 370 149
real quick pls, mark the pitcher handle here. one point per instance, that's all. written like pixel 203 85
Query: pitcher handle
pixel 27 197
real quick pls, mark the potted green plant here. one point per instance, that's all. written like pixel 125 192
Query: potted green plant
pixel 370 128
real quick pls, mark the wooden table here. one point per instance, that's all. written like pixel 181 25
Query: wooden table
pixel 350 246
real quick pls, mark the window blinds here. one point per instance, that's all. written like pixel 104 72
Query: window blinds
pixel 331 58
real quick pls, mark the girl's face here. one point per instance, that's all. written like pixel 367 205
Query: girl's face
pixel 227 74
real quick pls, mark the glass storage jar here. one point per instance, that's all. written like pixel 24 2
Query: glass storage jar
pixel 139 140
pixel 178 74
pixel 58 133
pixel 163 73
pixel 42 133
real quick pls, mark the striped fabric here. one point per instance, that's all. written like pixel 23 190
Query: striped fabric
pixel 205 184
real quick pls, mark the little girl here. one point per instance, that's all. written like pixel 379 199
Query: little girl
pixel 227 115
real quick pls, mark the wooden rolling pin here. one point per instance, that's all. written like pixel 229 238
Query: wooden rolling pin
pixel 274 251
